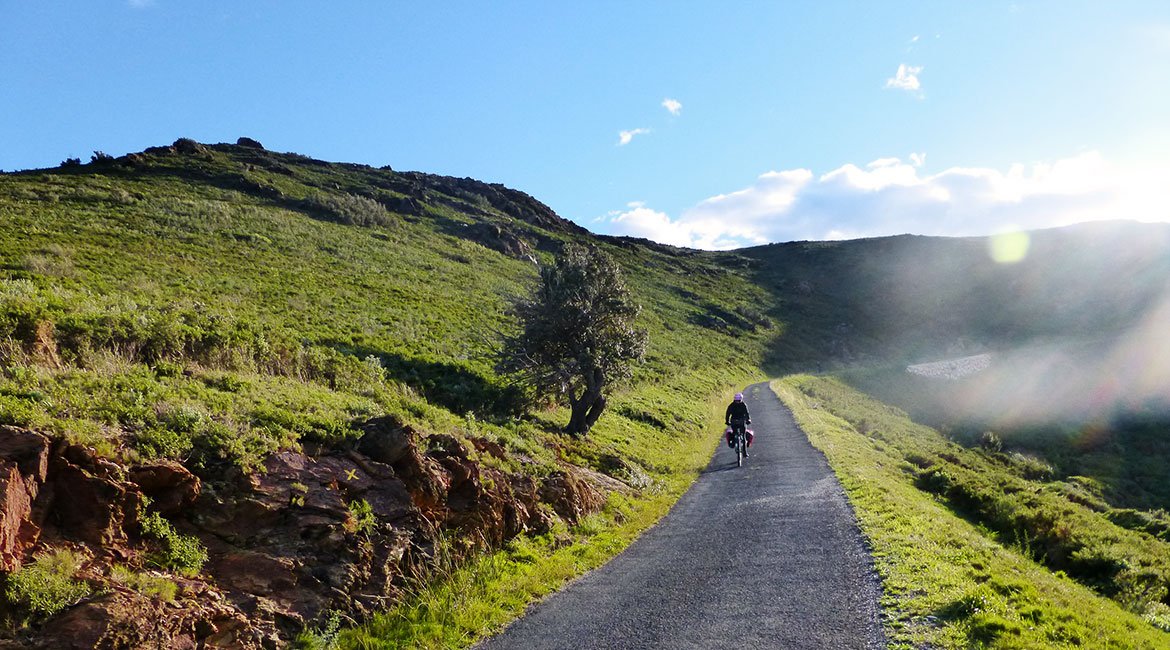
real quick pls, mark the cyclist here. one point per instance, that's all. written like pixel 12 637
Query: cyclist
pixel 737 418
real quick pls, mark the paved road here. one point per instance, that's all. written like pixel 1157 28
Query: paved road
pixel 800 577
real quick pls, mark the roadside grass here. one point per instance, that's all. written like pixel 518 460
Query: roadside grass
pixel 1122 447
pixel 461 605
pixel 951 580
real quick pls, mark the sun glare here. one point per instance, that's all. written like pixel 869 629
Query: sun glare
pixel 1009 247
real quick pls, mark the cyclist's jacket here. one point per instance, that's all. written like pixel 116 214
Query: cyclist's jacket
pixel 736 411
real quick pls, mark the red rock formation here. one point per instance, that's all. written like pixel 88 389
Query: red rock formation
pixel 305 535
pixel 24 464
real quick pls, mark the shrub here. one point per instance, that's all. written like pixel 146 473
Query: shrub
pixel 348 209
pixel 182 553
pixel 47 586
pixel 156 442
pixel 159 587
pixel 323 637
pixel 1032 468
pixel 363 519
pixel 991 441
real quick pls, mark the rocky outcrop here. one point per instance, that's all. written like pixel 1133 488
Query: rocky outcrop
pixel 248 142
pixel 342 531
pixel 499 239
pixel 24 465
pixel 169 485
pixel 514 203
pixel 122 618
pixel 89 500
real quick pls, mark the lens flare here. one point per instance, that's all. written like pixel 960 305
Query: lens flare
pixel 1009 247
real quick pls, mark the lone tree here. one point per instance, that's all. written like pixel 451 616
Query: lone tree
pixel 578 337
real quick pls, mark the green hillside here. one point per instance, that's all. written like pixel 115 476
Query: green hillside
pixel 234 260
pixel 213 305
pixel 260 363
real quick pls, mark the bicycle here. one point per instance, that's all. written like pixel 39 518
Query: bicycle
pixel 739 441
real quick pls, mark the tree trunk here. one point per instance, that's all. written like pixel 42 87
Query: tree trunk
pixel 581 407
pixel 585 410
pixel 594 412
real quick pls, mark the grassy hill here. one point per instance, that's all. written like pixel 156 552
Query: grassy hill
pixel 215 305
pixel 255 318
pixel 296 272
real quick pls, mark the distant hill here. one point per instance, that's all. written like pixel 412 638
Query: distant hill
pixel 923 298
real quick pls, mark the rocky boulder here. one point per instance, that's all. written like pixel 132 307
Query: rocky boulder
pixel 90 499
pixel 570 497
pixel 170 486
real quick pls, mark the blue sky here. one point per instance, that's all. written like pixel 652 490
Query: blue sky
pixel 744 122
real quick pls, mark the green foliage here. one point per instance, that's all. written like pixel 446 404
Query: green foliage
pixel 178 552
pixel 322 637
pixel 578 335
pixel 146 584
pixel 362 516
pixel 47 585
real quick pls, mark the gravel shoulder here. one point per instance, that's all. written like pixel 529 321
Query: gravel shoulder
pixel 764 556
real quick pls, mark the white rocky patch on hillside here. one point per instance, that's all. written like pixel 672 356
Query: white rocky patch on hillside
pixel 951 368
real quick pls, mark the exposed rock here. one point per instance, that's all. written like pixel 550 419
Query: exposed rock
pixel 499 239
pixel 570 497
pixel 188 146
pixel 125 619
pixel 24 464
pixel 249 142
pixel 307 534
pixel 170 486
pixel 90 501
pixel 403 205
pixel 385 439
pixel 288 545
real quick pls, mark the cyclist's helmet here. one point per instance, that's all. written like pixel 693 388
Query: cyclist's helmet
pixel 739 397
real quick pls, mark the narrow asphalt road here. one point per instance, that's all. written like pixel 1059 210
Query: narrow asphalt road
pixel 763 556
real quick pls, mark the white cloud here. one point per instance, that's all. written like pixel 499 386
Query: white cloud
pixel 889 196
pixel 906 78
pixel 624 137
pixel 672 105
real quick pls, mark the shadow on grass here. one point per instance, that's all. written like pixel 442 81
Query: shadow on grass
pixel 451 386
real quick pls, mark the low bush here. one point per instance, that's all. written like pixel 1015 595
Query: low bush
pixel 152 586
pixel 182 553
pixel 47 585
